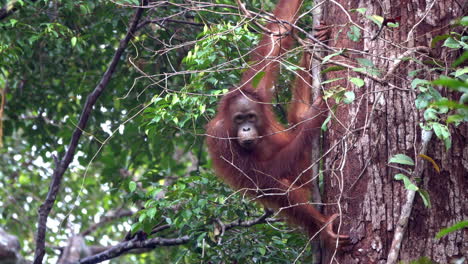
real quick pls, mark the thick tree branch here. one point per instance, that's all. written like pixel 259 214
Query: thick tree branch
pixel 62 166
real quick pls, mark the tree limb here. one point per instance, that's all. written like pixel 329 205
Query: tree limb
pixel 125 246
pixel 62 166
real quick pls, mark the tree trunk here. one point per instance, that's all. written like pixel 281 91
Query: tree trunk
pixel 383 121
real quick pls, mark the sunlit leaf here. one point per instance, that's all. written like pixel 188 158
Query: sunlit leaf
pixel 401 159
pixel 328 57
pixel 425 197
pixel 354 33
pixel 349 97
pixel 357 81
pixel 332 68
pixel 132 186
pixel 457 226
pixel 73 41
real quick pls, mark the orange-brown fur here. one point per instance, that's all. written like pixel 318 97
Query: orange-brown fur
pixel 276 172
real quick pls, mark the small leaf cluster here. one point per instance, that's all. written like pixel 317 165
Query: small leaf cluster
pixel 219 51
pixel 441 111
pixel 409 184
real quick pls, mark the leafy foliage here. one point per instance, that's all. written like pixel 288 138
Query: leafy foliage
pixel 408 183
pixel 143 147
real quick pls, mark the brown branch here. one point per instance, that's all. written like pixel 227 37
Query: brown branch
pixel 62 166
pixel 126 246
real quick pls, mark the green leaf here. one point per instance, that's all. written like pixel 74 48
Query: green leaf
pixel 332 80
pixel 328 57
pixel 136 226
pixel 414 73
pixel 460 72
pixel 444 102
pixel 73 41
pixel 438 38
pixel 332 68
pixel 365 62
pixel 24 179
pixel 406 181
pixel 419 82
pixel 142 218
pixel 401 159
pixel 257 78
pixel 376 19
pixel 324 125
pixel 430 114
pixel 441 130
pixel 132 186
pixel 421 260
pixel 452 84
pixel 262 251
pixel 357 81
pixel 361 10
pixel 371 71
pixel 175 99
pixel 13 22
pixel 464 21
pixel 409 185
pixel 399 176
pixel 452 43
pixel 202 108
pixel 422 101
pixel 460 59
pixel 349 97
pixel 457 119
pixel 457 226
pixel 354 33
pixel 425 197
pixel 443 133
pixel 151 213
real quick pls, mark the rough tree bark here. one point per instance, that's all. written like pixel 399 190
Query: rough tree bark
pixel 382 122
